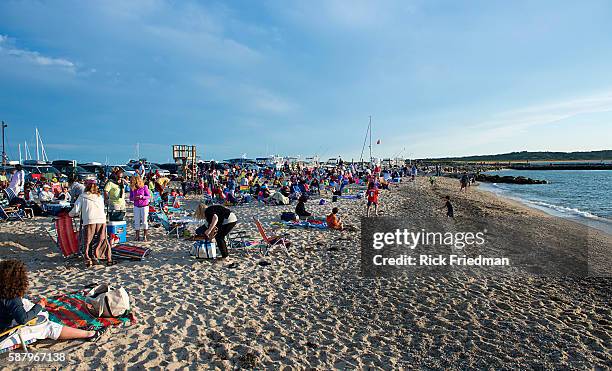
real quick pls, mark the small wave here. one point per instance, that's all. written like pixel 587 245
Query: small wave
pixel 566 210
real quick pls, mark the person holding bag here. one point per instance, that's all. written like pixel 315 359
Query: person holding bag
pixel 90 207
pixel 141 196
pixel 219 219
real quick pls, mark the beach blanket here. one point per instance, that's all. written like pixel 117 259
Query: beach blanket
pixel 316 224
pixel 130 252
pixel 352 197
pixel 72 310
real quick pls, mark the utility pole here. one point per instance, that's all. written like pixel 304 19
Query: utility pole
pixel 3 150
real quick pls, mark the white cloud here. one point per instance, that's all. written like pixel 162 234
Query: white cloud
pixel 355 14
pixel 7 47
pixel 268 102
pixel 545 114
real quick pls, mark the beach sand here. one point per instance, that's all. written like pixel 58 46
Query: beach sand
pixel 312 309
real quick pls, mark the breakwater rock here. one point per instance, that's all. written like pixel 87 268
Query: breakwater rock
pixel 508 179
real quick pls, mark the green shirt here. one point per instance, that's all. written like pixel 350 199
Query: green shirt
pixel 115 196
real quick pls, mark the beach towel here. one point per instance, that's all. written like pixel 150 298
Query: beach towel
pixel 357 196
pixel 72 310
pixel 130 252
pixel 316 224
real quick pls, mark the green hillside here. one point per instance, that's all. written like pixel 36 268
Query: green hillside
pixel 534 156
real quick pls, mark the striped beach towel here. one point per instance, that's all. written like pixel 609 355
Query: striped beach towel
pixel 130 252
pixel 72 310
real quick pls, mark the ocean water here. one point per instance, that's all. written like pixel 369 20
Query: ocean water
pixel 583 195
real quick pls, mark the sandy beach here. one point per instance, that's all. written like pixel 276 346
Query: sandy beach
pixel 312 309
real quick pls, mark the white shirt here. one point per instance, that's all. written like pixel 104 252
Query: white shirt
pixel 17 181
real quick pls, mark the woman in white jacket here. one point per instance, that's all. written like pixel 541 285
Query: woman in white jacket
pixel 90 206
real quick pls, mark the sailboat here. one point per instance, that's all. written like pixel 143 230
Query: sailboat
pixel 41 153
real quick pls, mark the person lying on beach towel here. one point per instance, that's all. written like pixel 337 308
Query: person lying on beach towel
pixel 15 310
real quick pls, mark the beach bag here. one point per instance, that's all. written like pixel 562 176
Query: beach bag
pixel 108 301
pixel 204 250
pixel 288 216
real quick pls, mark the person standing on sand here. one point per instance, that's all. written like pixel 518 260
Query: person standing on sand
pixel 140 195
pixel 449 207
pixel 464 182
pixel 372 194
pixel 17 179
pixel 90 207
pixel 140 169
pixel 76 188
pixel 114 191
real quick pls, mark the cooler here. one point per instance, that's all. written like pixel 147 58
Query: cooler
pixel 118 229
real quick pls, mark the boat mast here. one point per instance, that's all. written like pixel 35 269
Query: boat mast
pixel 37 153
pixel 365 140
pixel 370 127
pixel 4 157
pixel 43 153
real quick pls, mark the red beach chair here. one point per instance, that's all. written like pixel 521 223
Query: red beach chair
pixel 271 241
pixel 67 237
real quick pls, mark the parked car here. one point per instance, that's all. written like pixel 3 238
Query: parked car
pixel 172 168
pixel 149 167
pixel 155 168
pixel 96 168
pixel 36 172
pixel 79 171
pixel 128 171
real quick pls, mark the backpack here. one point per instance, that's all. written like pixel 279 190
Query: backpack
pixel 108 301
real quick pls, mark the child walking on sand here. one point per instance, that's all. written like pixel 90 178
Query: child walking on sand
pixel 449 207
pixel 372 194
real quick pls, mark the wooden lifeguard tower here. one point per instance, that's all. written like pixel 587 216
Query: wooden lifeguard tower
pixel 186 157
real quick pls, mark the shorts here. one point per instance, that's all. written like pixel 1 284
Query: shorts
pixel 375 203
pixel 44 330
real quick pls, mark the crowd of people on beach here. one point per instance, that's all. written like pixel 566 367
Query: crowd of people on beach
pixel 95 202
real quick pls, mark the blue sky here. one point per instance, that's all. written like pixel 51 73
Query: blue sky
pixel 439 78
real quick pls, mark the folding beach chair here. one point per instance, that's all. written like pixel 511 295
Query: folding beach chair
pixel 175 205
pixel 16 330
pixel 65 236
pixel 170 227
pixel 10 212
pixel 271 241
pixel 10 194
pixel 156 200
